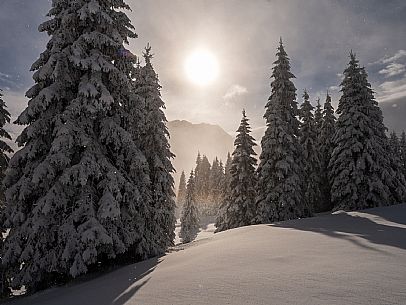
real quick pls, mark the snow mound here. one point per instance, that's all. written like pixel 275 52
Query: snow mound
pixel 348 258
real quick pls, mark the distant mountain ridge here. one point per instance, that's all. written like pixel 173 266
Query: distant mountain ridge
pixel 187 139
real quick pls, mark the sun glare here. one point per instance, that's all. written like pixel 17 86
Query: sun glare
pixel 201 67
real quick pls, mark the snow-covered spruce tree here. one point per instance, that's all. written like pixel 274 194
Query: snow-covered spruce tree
pixel 279 188
pixel 311 160
pixel 326 149
pixel 397 180
pixel 395 143
pixel 225 195
pixel 318 120
pixel 74 191
pixel 403 152
pixel 240 206
pixel 227 175
pixel 5 149
pixel 154 144
pixel 181 197
pixel 362 169
pixel 215 185
pixel 190 214
pixel 202 185
pixel 204 178
pixel 197 175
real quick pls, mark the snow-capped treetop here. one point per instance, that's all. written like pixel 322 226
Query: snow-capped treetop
pixel 283 90
pixel 318 118
pixel 307 124
pixel 4 147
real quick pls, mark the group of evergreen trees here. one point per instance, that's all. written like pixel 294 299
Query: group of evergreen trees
pixel 92 181
pixel 205 191
pixel 312 162
pixel 211 181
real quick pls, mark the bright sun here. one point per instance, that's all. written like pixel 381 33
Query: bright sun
pixel 201 67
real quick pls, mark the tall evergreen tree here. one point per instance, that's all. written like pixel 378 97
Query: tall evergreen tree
pixel 227 175
pixel 326 148
pixel 198 164
pixel 318 120
pixel 190 214
pixel 215 182
pixel 402 144
pixel 204 178
pixel 240 207
pixel 181 197
pixel 5 149
pixel 395 144
pixel 225 196
pixel 202 184
pixel 198 176
pixel 396 151
pixel 154 144
pixel 279 190
pixel 75 189
pixel 361 167
pixel 311 160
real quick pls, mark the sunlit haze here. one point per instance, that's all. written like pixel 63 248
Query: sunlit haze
pixel 202 67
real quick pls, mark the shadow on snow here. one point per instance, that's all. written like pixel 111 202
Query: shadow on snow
pixel 383 226
pixel 112 288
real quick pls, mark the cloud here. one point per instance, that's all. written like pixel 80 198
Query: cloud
pixel 393 69
pixel 391 90
pixel 5 79
pixel 340 76
pixel 390 59
pixel 334 88
pixel 235 90
pixel 4 76
pixel 399 54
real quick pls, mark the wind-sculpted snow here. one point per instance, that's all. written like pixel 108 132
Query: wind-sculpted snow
pixel 344 258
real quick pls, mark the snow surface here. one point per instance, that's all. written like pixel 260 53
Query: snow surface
pixel 345 258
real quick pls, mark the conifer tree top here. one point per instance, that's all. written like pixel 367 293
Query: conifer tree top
pixel 147 54
pixel 4 119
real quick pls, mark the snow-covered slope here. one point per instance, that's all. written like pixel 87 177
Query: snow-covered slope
pixel 346 258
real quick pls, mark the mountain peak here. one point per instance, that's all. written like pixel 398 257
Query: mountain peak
pixel 187 139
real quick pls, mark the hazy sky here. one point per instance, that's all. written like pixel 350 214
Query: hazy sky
pixel 243 35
